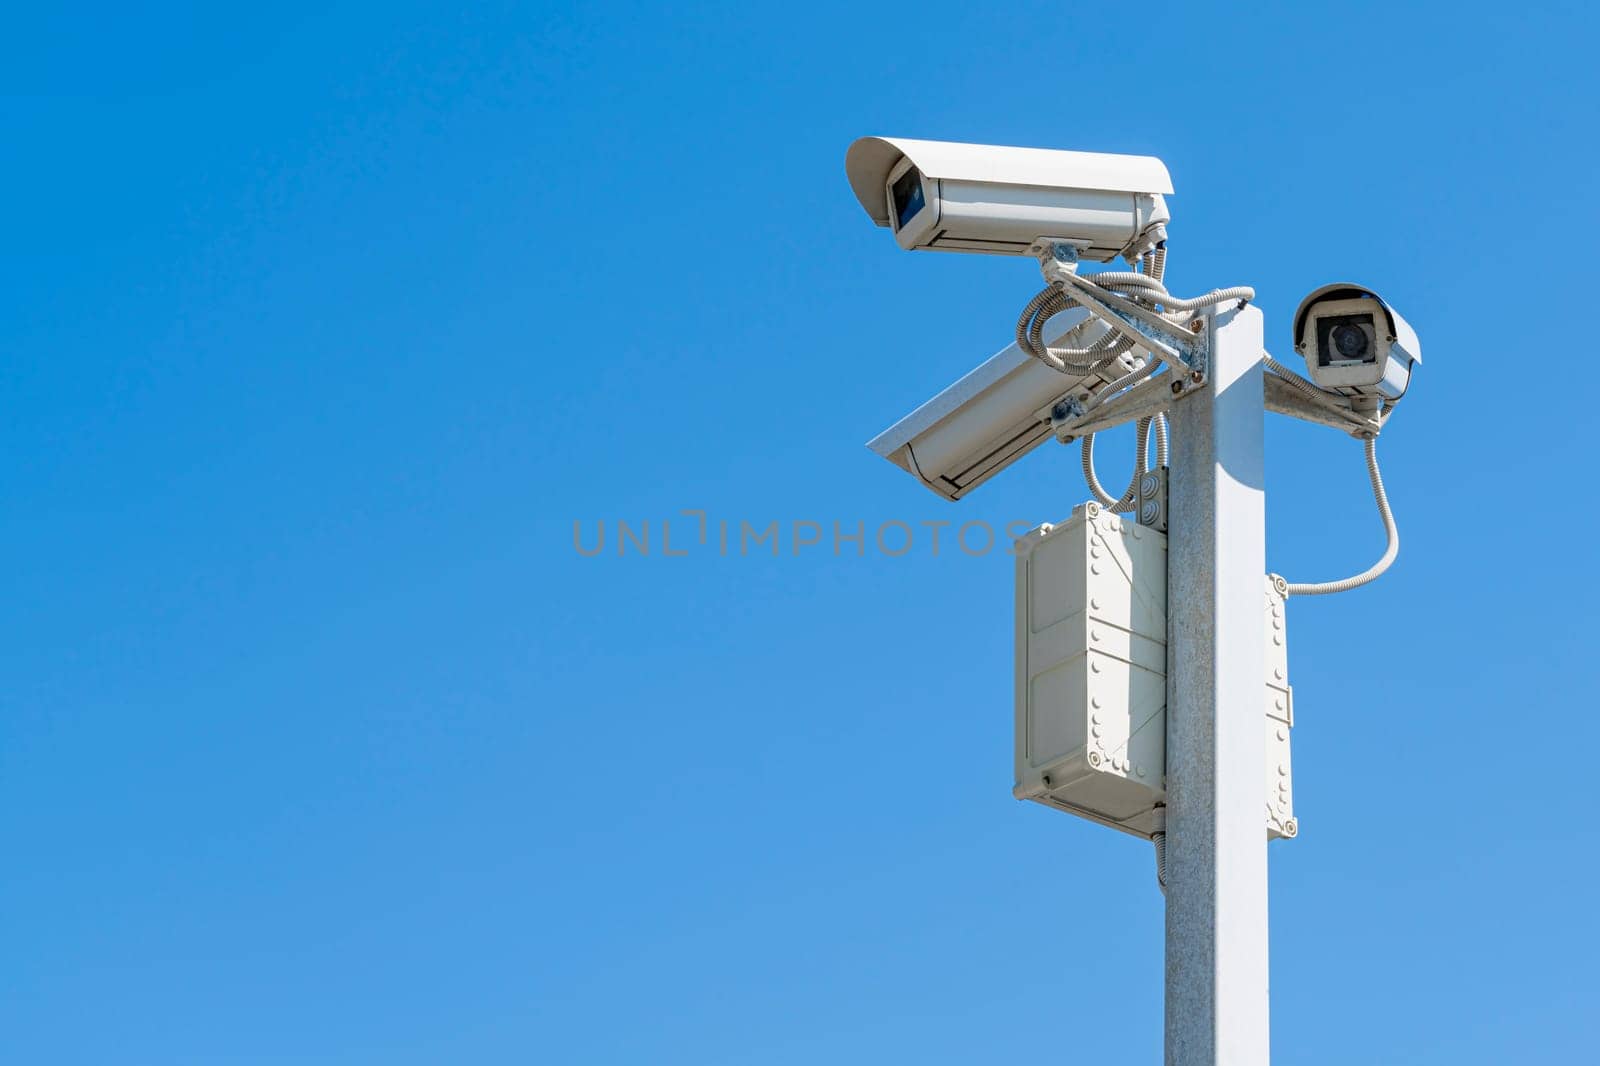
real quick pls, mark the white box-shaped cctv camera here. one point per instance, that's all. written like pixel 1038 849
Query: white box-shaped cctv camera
pixel 1354 343
pixel 994 415
pixel 943 196
pixel 1091 675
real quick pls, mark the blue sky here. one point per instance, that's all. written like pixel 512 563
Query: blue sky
pixel 323 325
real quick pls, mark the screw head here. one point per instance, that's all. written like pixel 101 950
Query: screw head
pixel 1196 377
pixel 1196 325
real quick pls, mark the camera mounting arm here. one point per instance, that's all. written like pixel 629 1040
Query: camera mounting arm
pixel 1287 393
pixel 1145 328
pixel 1151 337
pixel 1072 418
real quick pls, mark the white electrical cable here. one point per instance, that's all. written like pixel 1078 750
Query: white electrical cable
pixel 1149 289
pixel 1030 333
pixel 1158 837
pixel 1141 463
pixel 1139 294
pixel 1390 529
pixel 1317 396
pixel 1127 381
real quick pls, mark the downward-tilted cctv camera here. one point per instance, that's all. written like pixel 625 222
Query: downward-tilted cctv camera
pixel 994 415
pixel 942 196
pixel 1354 343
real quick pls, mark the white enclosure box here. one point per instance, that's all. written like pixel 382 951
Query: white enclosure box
pixel 1091 675
pixel 1092 668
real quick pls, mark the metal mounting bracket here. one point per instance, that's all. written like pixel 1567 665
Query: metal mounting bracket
pixel 1069 420
pixel 1357 416
pixel 1149 330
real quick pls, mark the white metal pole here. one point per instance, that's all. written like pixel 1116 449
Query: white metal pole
pixel 1216 981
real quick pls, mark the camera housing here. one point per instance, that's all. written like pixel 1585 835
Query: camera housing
pixel 993 416
pixel 1354 343
pixel 994 200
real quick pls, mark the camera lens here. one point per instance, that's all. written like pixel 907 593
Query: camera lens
pixel 1350 341
pixel 908 198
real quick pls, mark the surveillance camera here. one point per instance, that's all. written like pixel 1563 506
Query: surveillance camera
pixel 994 415
pixel 940 196
pixel 1354 343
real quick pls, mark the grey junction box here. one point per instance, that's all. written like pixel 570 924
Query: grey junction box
pixel 1091 675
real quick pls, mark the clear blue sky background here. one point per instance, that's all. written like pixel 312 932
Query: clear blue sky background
pixel 319 743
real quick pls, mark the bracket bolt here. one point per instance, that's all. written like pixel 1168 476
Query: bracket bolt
pixel 1196 325
pixel 1196 376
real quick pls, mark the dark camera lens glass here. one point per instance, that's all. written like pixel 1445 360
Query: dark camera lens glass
pixel 1351 341
pixel 1346 340
pixel 908 198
